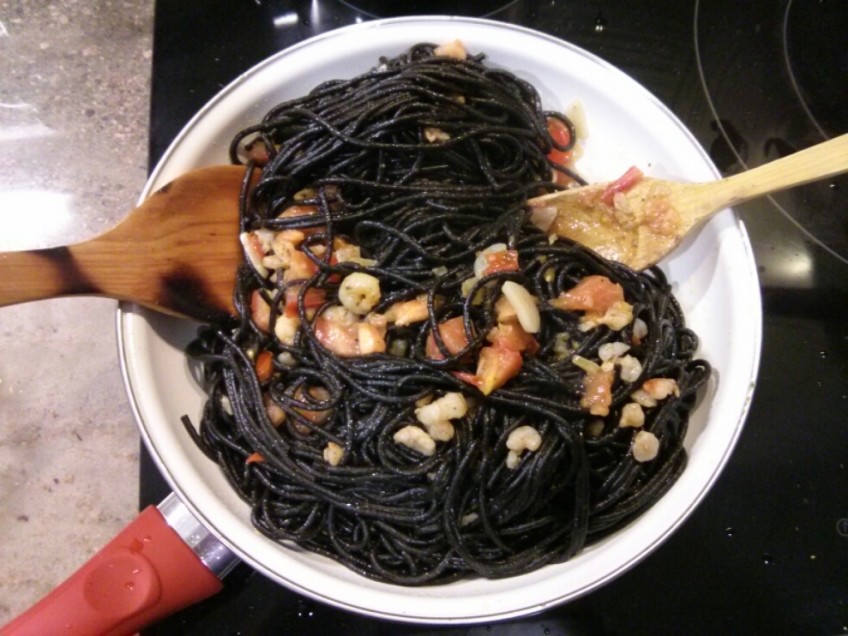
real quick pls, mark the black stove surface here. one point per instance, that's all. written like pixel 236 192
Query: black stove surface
pixel 767 550
pixel 776 78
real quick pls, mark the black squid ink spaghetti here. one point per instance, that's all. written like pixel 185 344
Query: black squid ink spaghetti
pixel 422 384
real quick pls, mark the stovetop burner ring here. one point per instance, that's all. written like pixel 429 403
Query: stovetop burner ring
pixel 763 110
pixel 395 8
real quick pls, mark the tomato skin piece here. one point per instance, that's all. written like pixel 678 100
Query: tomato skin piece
pixel 258 152
pixel 303 210
pixel 339 338
pixel 503 261
pixel 312 299
pixel 622 184
pixel 468 378
pixel 511 335
pixel 560 135
pixel 313 416
pixel 334 278
pixel 593 294
pixel 301 267
pixel 264 365
pixel 299 209
pixel 255 458
pixel 495 367
pixel 260 311
pixel 453 336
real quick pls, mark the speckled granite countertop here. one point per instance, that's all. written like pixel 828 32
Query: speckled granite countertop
pixel 74 88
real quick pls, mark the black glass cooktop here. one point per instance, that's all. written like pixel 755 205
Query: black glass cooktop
pixel 393 9
pixel 767 550
pixel 775 75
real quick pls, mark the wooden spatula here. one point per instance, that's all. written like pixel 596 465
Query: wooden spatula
pixel 639 225
pixel 178 253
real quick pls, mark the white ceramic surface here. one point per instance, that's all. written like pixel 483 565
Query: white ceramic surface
pixel 714 277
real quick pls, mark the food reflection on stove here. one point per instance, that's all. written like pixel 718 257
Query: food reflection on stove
pixel 781 147
pixel 729 150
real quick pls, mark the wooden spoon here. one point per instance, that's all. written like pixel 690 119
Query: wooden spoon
pixel 648 220
pixel 178 253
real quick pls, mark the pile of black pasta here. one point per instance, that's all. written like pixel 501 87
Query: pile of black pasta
pixel 421 210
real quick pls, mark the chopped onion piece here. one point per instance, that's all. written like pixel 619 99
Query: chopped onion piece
pixel 524 304
pixel 587 365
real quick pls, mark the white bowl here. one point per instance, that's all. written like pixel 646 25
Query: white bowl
pixel 714 278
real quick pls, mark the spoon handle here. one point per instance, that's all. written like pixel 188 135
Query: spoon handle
pixel 111 265
pixel 176 253
pixel 39 274
pixel 817 162
pixel 122 265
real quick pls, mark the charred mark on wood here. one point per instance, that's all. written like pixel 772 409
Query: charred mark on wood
pixel 185 293
pixel 74 281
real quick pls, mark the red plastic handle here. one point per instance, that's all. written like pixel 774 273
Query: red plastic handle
pixel 144 574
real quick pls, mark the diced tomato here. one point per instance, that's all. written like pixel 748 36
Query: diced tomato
pixel 408 312
pixel 293 237
pixel 254 458
pixel 559 133
pixel 453 336
pixel 503 261
pixel 338 337
pixel 561 136
pixel 260 310
pixel 468 378
pixel 301 267
pixel 334 278
pixel 298 210
pixel 316 417
pixel 511 335
pixel 370 338
pixel 312 299
pixel 622 184
pixel 593 294
pixel 264 365
pixel 258 152
pixel 275 412
pixel 495 367
pixel 597 392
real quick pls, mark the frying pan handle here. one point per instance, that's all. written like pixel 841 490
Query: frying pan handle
pixel 162 561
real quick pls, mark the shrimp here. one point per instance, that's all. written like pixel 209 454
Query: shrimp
pixel 359 292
